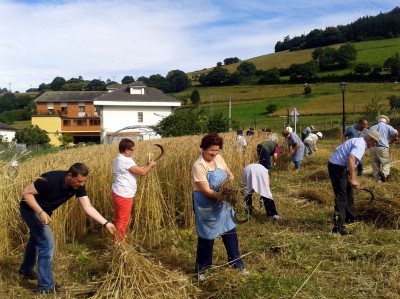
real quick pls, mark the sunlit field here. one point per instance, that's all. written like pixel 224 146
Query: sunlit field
pixel 295 257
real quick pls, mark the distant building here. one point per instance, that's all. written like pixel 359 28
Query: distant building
pixel 124 110
pixel 7 132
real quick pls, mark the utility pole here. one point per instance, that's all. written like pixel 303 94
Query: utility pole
pixel 230 108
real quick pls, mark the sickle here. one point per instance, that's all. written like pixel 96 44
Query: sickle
pixel 161 153
pixel 238 221
pixel 370 192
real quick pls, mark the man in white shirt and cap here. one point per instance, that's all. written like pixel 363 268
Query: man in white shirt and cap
pixel 380 155
pixel 310 143
pixel 341 168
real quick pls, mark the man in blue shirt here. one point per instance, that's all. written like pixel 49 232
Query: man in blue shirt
pixel 380 155
pixel 341 168
pixel 356 131
pixel 39 200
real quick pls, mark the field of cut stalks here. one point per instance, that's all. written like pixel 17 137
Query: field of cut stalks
pixel 296 257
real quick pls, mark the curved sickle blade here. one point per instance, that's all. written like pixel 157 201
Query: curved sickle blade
pixel 238 221
pixel 161 153
pixel 370 192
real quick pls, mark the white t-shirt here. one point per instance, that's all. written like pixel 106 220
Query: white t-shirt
pixel 125 182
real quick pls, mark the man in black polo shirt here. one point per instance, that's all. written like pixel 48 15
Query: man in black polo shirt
pixel 39 200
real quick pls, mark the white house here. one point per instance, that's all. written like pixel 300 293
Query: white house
pixel 130 110
pixel 7 132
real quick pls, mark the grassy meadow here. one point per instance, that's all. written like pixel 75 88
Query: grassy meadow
pixel 323 107
pixel 296 257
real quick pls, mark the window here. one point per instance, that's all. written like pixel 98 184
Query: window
pixel 79 122
pixel 64 108
pixel 50 108
pixel 140 117
pixel 67 122
pixel 94 122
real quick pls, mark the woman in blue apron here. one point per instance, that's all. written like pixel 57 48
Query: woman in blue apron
pixel 214 217
pixel 297 152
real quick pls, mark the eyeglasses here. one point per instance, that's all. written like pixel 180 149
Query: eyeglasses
pixel 130 149
pixel 213 151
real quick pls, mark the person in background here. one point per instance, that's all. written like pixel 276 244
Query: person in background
pixel 125 172
pixel 289 129
pixel 255 179
pixel 295 148
pixel 39 200
pixel 310 143
pixel 356 131
pixel 380 155
pixel 306 131
pixel 341 168
pixel 241 141
pixel 213 215
pixel 250 131
pixel 266 150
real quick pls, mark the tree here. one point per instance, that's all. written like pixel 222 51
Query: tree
pixel 271 76
pixel 127 80
pixel 195 97
pixel 57 83
pixel 372 109
pixel 182 122
pixel 214 78
pixel 217 123
pixel 66 139
pixel 345 54
pixel 362 68
pixel 178 79
pixel 247 69
pixel 97 85
pixel 307 89
pixel 393 65
pixel 394 101
pixel 32 135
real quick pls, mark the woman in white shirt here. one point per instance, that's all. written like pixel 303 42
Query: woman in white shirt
pixel 125 172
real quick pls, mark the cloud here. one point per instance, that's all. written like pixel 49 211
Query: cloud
pixel 111 39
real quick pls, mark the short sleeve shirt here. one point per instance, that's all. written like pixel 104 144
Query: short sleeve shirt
pixel 386 132
pixel 53 192
pixel 125 182
pixel 353 132
pixel 200 170
pixel 354 146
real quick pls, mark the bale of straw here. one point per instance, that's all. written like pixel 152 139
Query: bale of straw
pixel 132 275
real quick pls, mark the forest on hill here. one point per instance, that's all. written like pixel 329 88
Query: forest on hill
pixel 381 26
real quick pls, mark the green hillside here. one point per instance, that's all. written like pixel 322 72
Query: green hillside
pixel 373 52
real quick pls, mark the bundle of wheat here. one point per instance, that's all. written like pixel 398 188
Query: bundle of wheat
pixel 318 195
pixel 132 275
pixel 319 175
pixel 233 193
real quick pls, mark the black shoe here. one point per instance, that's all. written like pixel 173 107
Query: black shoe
pixel 55 289
pixel 383 177
pixel 32 276
pixel 341 230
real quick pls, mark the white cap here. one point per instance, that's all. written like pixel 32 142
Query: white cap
pixel 289 129
pixel 319 134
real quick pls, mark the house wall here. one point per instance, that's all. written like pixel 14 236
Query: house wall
pixel 7 135
pixel 51 124
pixel 72 109
pixel 119 117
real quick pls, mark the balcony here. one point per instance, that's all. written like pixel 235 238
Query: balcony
pixel 80 124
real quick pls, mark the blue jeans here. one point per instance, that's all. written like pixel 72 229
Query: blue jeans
pixel 40 247
pixel 205 251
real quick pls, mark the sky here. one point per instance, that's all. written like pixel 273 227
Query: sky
pixel 110 39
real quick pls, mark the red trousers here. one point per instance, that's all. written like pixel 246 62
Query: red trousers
pixel 123 209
